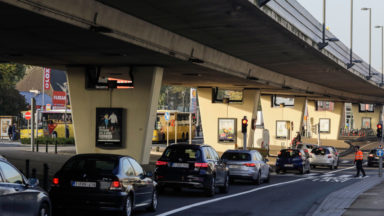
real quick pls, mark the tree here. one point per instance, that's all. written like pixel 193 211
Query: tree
pixel 11 102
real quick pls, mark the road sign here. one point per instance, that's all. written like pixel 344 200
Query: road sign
pixel 27 115
pixel 166 116
pixel 380 152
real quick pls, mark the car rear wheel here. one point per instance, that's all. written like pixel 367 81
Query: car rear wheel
pixel 267 180
pixel 301 170
pixel 258 179
pixel 211 190
pixel 44 210
pixel 127 211
pixel 331 167
pixel 225 187
pixel 153 205
pixel 277 170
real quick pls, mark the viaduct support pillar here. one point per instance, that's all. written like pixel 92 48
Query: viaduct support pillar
pixel 139 111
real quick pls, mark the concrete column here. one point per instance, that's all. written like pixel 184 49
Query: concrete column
pixel 211 112
pixel 139 104
pixel 273 114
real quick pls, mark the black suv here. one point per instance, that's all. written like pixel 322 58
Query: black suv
pixel 19 196
pixel 192 166
pixel 102 182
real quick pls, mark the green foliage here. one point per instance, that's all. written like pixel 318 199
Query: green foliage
pixel 44 140
pixel 171 97
pixel 10 74
pixel 11 102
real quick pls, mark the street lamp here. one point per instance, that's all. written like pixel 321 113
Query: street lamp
pixel 351 61
pixel 323 43
pixel 370 37
pixel 382 55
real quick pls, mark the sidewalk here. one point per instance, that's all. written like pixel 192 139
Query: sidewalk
pixel 369 203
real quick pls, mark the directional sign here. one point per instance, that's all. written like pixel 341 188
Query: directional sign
pixel 27 115
pixel 380 152
pixel 166 116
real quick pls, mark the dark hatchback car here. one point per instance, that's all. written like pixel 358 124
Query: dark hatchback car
pixel 102 182
pixel 292 159
pixel 19 196
pixel 373 159
pixel 192 166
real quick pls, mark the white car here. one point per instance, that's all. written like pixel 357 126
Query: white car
pixel 324 156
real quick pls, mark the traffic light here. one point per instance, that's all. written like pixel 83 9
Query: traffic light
pixel 244 124
pixel 379 130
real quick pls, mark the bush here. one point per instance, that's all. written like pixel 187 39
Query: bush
pixel 44 140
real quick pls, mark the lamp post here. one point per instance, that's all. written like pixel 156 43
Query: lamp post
pixel 324 42
pixel 351 61
pixel 382 55
pixel 370 38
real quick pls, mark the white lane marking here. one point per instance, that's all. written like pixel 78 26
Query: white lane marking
pixel 237 194
pixel 345 161
pixel 342 169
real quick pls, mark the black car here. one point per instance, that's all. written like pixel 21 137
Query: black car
pixel 103 182
pixel 373 159
pixel 19 196
pixel 192 166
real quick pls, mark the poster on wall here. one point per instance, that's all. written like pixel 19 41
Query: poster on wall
pixel 366 122
pixel 227 130
pixel 109 127
pixel 4 126
pixel 325 125
pixel 281 129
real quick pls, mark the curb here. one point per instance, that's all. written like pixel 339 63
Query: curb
pixel 336 203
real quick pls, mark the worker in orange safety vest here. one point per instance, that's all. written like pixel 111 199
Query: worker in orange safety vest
pixel 359 161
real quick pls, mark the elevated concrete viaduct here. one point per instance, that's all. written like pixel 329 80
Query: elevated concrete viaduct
pixel 229 44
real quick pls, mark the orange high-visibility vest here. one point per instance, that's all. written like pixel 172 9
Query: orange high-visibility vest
pixel 359 155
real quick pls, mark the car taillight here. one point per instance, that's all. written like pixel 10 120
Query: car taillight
pixel 250 164
pixel 115 185
pixel 329 156
pixel 201 164
pixel 161 163
pixel 370 155
pixel 279 153
pixel 55 181
pixel 306 150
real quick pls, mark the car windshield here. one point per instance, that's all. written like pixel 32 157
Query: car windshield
pixel 183 153
pixel 97 165
pixel 236 156
pixel 289 153
pixel 320 151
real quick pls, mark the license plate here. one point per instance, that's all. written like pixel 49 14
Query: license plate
pixel 84 184
pixel 288 165
pixel 234 166
pixel 180 165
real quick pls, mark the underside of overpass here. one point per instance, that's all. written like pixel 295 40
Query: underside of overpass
pixel 221 43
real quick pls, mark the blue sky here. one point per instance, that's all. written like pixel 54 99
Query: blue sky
pixel 338 21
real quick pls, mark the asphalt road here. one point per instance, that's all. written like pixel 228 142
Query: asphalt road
pixel 286 194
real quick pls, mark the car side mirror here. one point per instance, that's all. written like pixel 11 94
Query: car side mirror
pixel 33 182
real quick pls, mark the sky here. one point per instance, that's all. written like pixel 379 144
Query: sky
pixel 338 20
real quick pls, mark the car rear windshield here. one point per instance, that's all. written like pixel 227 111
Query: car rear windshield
pixel 95 165
pixel 320 151
pixel 288 153
pixel 373 151
pixel 299 146
pixel 236 156
pixel 182 153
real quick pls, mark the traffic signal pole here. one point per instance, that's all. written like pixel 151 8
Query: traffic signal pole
pixel 244 124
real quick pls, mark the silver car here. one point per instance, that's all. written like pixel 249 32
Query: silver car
pixel 324 156
pixel 246 164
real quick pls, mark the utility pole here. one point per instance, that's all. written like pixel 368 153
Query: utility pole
pixel 33 124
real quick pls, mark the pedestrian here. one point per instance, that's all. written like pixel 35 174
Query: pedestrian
pixel 14 131
pixel 10 131
pixel 359 161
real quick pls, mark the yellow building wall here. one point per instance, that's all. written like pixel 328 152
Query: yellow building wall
pixel 211 112
pixel 335 117
pixel 357 116
pixel 272 114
